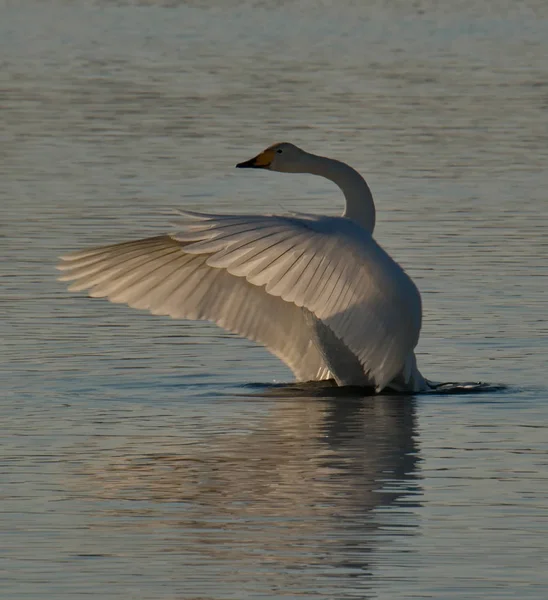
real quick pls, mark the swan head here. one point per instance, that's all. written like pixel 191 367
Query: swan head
pixel 283 157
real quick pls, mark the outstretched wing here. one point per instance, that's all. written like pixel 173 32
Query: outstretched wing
pixel 157 275
pixel 257 275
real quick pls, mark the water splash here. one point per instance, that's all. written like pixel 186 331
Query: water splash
pixel 465 388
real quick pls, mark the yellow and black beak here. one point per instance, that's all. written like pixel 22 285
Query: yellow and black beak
pixel 261 161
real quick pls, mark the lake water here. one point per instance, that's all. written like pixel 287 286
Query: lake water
pixel 153 459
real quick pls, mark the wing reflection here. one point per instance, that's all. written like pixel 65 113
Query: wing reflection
pixel 303 486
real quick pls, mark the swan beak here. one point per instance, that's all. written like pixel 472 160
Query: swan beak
pixel 261 161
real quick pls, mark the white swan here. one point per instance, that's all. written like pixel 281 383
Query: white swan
pixel 317 291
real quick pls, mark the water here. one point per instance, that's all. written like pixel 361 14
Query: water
pixel 147 458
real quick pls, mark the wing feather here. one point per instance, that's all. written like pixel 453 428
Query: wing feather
pixel 158 275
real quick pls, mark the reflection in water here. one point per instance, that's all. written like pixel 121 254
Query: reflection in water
pixel 299 487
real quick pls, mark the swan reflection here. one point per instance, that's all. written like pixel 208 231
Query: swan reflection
pixel 300 483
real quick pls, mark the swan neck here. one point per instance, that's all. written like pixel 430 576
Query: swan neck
pixel 359 200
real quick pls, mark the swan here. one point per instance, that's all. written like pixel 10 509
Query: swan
pixel 317 291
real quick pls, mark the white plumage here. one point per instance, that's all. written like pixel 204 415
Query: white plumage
pixel 317 291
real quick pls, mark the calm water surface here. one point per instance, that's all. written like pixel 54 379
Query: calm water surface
pixel 152 459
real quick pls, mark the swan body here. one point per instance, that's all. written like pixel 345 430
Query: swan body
pixel 316 291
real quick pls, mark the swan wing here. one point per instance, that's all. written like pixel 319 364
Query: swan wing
pixel 258 275
pixel 157 274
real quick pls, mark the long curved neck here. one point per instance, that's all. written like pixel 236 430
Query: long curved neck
pixel 359 200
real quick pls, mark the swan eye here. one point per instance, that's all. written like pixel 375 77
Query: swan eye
pixel 279 151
